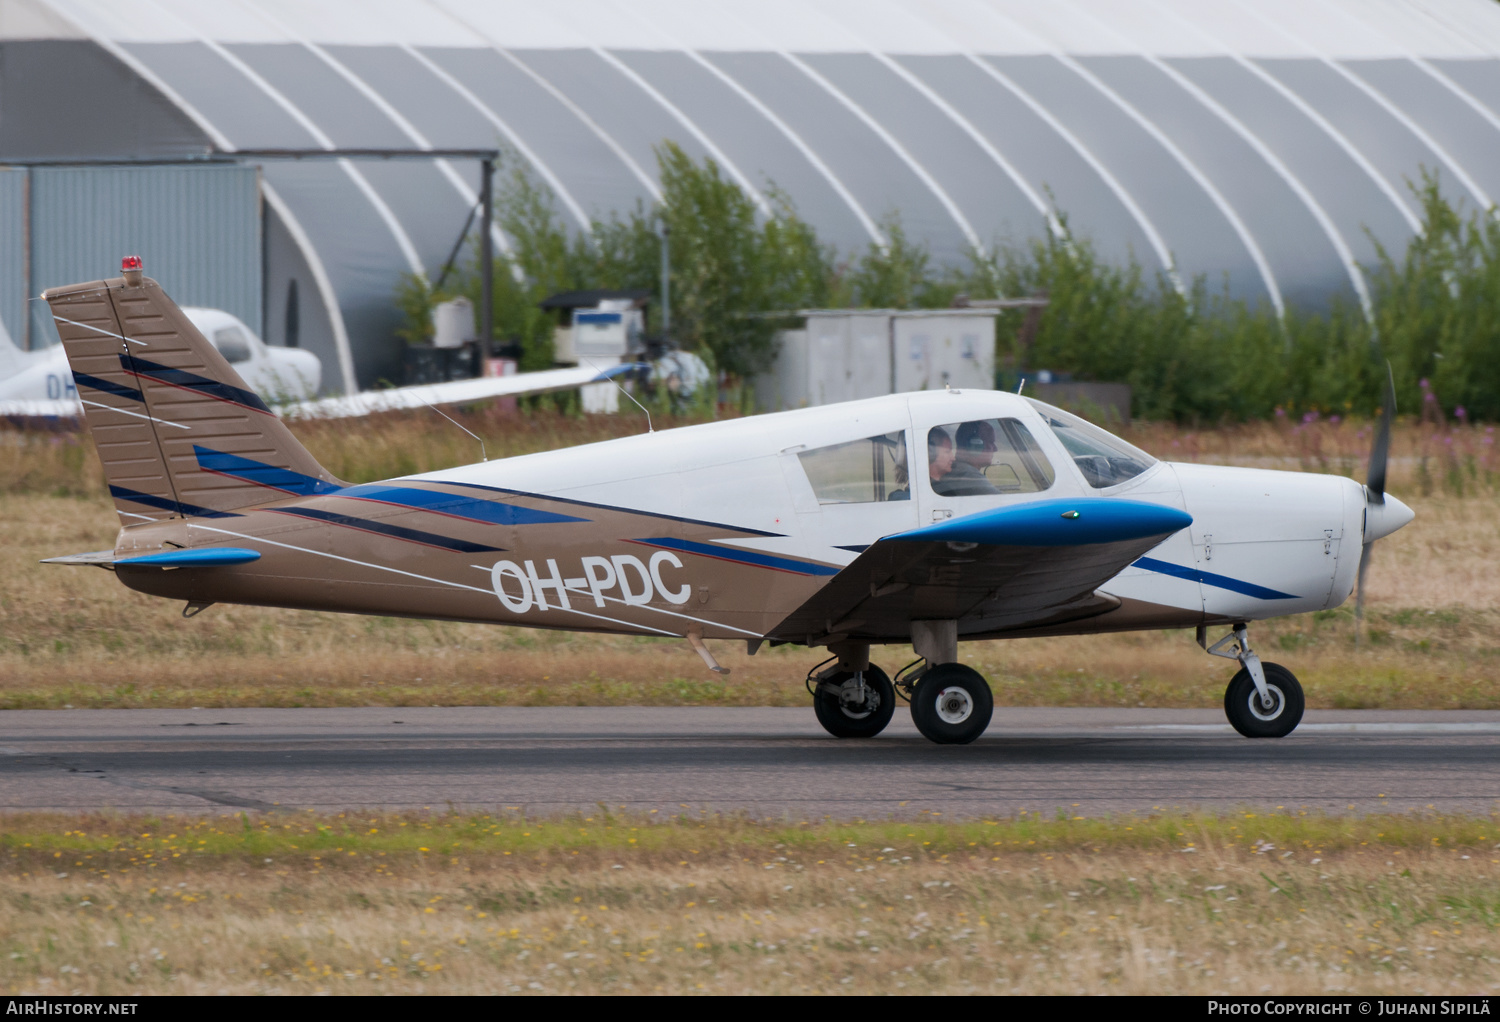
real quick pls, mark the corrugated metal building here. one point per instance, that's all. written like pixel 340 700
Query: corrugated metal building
pixel 1266 142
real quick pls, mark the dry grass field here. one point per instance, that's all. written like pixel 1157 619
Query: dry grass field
pixel 296 903
pixel 74 636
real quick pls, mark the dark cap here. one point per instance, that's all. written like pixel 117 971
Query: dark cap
pixel 976 436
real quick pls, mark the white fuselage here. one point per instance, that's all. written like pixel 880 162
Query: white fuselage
pixel 1262 543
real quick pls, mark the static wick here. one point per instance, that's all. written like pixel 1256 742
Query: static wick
pixel 483 455
pixel 622 390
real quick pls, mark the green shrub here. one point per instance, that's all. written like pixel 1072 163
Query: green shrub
pixel 1190 353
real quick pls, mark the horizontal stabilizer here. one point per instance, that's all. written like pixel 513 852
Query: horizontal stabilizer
pixel 455 392
pixel 203 557
pixel 97 557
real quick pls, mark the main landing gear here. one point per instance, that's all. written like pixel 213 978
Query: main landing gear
pixel 1262 700
pixel 851 703
pixel 951 704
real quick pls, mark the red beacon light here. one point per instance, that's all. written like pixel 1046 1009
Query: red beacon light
pixel 131 268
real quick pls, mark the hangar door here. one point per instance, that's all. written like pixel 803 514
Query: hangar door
pixel 198 228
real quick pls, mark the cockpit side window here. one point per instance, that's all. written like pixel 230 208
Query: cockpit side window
pixel 985 456
pixel 859 472
pixel 1103 458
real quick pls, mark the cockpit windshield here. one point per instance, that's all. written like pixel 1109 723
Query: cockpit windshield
pixel 1103 458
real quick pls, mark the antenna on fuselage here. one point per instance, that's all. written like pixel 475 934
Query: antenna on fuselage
pixel 483 456
pixel 622 390
pixel 1020 386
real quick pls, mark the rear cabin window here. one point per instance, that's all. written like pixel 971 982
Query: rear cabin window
pixel 232 344
pixel 985 456
pixel 859 472
pixel 1103 458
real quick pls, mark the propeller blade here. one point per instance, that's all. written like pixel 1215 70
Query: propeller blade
pixel 1359 595
pixel 1381 449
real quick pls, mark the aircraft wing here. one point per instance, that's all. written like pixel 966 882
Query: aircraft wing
pixel 1001 568
pixel 455 392
pixel 395 399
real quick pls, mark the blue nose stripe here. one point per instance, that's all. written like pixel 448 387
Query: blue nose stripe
pixel 1208 578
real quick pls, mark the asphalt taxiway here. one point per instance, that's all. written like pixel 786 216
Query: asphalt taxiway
pixel 763 762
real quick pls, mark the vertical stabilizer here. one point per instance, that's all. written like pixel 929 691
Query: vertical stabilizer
pixel 178 431
pixel 12 358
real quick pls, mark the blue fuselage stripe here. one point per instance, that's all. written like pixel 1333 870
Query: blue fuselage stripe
pixel 751 557
pixel 260 474
pixel 604 507
pixel 379 528
pixel 453 505
pixel 1208 578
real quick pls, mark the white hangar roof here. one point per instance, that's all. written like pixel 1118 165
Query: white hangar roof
pixel 1271 141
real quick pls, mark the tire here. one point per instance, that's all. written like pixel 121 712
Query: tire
pixel 1242 703
pixel 952 704
pixel 844 721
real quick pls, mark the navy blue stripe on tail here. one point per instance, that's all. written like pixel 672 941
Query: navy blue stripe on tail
pixel 185 380
pixel 177 507
pixel 107 386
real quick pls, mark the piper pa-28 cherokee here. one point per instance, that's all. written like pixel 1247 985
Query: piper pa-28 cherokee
pixel 921 518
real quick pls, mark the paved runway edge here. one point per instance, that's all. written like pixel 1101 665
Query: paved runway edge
pixel 765 762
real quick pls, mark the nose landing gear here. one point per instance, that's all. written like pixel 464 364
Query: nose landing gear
pixel 1263 700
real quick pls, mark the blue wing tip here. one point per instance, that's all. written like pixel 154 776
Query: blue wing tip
pixel 204 557
pixel 1079 522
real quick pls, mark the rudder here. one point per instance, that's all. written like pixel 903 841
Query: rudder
pixel 165 408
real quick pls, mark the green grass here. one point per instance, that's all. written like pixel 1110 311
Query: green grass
pixel 150 842
pixel 1233 903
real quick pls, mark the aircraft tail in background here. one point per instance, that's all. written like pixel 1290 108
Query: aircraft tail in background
pixel 12 359
pixel 177 430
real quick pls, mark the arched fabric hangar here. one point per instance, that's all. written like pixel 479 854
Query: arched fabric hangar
pixel 1266 144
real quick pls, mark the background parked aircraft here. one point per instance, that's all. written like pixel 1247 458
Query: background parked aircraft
pixel 39 384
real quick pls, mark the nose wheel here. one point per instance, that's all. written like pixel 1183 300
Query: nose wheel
pixel 1256 717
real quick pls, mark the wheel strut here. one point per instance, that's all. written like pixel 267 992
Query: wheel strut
pixel 1242 653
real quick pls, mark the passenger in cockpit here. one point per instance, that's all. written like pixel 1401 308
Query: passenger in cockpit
pixel 939 456
pixel 975 452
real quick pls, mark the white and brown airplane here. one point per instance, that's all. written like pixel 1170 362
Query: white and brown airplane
pixel 921 518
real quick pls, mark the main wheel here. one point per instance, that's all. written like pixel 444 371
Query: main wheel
pixel 1243 707
pixel 951 704
pixel 843 717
